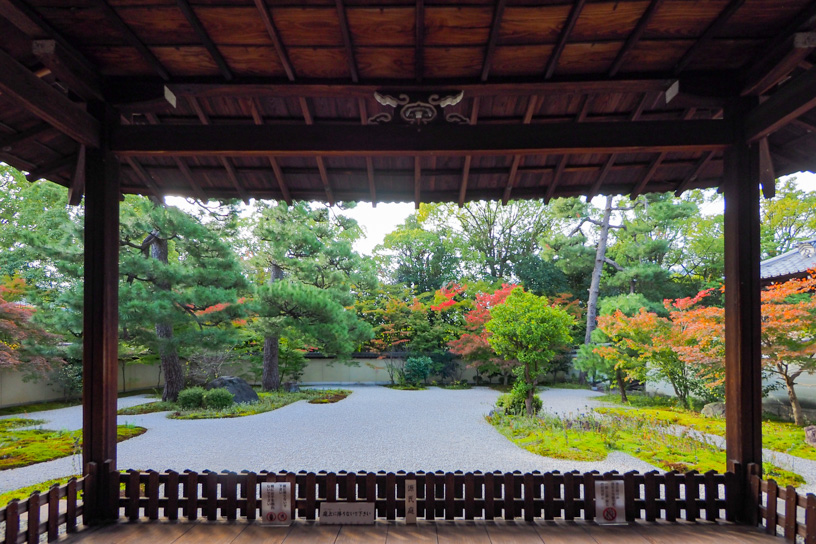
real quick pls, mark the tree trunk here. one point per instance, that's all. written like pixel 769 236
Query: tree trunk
pixel 796 408
pixel 528 402
pixel 595 284
pixel 171 366
pixel 271 370
pixel 621 386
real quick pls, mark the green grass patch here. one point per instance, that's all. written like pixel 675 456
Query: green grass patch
pixel 566 385
pixel 457 385
pixel 776 435
pixel 21 448
pixel 406 387
pixel 267 402
pixel 591 438
pixel 37 407
pixel 25 492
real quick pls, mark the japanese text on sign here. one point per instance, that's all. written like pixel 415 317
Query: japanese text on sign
pixel 610 502
pixel 347 513
pixel 276 503
pixel 410 502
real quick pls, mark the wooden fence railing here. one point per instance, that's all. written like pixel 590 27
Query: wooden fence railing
pixel 783 511
pixel 451 495
pixel 43 513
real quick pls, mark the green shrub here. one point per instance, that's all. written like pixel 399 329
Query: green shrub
pixel 512 403
pixel 417 369
pixel 218 399
pixel 192 398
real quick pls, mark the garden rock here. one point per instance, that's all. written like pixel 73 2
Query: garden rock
pixel 810 435
pixel 240 389
pixel 714 409
pixel 291 387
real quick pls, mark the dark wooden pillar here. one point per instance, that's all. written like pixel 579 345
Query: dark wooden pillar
pixel 100 323
pixel 743 376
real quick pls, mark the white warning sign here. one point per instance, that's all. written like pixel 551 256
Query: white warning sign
pixel 610 502
pixel 276 503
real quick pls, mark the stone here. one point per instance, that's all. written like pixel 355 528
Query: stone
pixel 714 409
pixel 810 436
pixel 291 387
pixel 241 391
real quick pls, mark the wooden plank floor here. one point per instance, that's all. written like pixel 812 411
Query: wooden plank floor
pixel 439 532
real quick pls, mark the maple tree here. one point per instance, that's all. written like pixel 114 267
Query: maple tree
pixel 22 342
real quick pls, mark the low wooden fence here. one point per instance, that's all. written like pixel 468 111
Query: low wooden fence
pixel 41 514
pixel 451 495
pixel 783 511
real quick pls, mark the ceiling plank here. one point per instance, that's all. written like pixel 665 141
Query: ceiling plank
pixel 634 36
pixel 708 34
pixel 202 34
pixel 274 35
pixel 694 174
pixel 72 72
pixel 789 102
pixel 257 118
pixel 498 13
pixel 463 185
pixel 38 97
pixel 349 45
pixel 566 30
pixel 132 38
pixel 396 140
pixel 419 41
pixel 324 177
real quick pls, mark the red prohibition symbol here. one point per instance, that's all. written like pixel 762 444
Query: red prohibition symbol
pixel 270 516
pixel 610 514
pixel 282 516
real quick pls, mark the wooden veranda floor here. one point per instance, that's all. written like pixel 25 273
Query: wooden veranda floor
pixel 440 532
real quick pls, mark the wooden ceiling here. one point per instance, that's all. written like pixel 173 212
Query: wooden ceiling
pixel 276 99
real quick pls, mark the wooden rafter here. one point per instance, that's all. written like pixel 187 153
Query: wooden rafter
pixel 566 30
pixel 419 41
pixel 695 173
pixel 347 42
pixel 146 178
pixel 182 166
pixel 9 141
pixel 532 104
pixel 498 13
pixel 372 187
pixel 77 188
pixel 321 166
pixel 274 35
pixel 463 186
pixel 53 107
pixel 605 169
pixel 708 34
pixel 650 172
pixel 225 161
pixel 71 72
pixel 559 171
pixel 131 37
pixel 634 36
pixel 257 118
pixel 767 176
pixel 789 102
pixel 202 34
pixel 51 167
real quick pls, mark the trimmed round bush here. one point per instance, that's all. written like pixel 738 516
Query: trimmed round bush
pixel 192 398
pixel 417 369
pixel 513 403
pixel 218 399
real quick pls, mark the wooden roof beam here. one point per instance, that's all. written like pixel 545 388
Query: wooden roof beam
pixel 605 169
pixel 694 174
pixel 634 36
pixel 372 187
pixel 11 140
pixel 324 177
pixel 349 45
pixel 257 118
pixel 396 140
pixel 498 13
pixel 650 172
pixel 791 100
pixel 131 37
pixel 53 167
pixel 274 35
pixel 225 161
pixel 202 34
pixel 770 70
pixel 532 104
pixel 566 30
pixel 182 166
pixel 708 34
pixel 77 188
pixel 474 117
pixel 72 72
pixel 41 99
pixel 144 176
pixel 559 172
pixel 419 41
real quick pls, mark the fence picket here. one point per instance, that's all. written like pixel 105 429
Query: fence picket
pixel 33 532
pixel 171 494
pixel 790 513
pixel 12 521
pixel 771 506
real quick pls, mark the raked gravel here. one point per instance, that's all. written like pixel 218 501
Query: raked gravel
pixel 374 429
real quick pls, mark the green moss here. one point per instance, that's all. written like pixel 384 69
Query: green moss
pixel 37 407
pixel 406 387
pixel 28 447
pixel 148 408
pixel 25 492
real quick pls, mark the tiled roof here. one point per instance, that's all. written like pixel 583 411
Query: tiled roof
pixel 793 262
